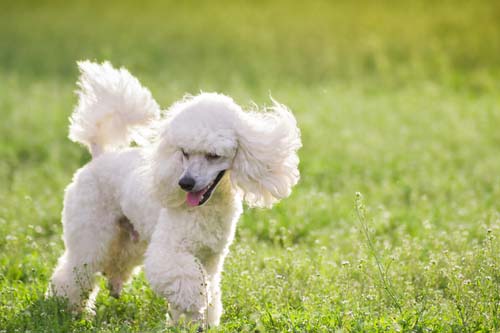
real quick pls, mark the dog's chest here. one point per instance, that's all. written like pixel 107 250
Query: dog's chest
pixel 209 232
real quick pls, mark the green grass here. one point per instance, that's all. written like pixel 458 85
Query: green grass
pixel 397 101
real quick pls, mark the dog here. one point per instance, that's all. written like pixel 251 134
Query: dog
pixel 165 189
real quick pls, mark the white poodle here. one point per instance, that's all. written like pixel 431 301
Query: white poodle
pixel 174 197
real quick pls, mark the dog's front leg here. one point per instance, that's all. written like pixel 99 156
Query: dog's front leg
pixel 179 278
pixel 177 275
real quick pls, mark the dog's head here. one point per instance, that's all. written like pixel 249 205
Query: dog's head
pixel 208 139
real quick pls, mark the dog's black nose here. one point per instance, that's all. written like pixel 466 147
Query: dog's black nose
pixel 186 183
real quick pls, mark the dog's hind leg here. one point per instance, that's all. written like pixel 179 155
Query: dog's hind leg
pixel 88 233
pixel 73 280
pixel 118 278
pixel 74 276
pixel 126 252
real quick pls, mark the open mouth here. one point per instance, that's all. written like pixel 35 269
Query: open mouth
pixel 198 198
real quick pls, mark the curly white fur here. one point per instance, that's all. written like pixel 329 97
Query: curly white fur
pixel 126 206
pixel 112 104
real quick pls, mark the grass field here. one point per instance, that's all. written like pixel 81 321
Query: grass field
pixel 399 101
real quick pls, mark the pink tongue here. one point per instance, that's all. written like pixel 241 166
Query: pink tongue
pixel 194 198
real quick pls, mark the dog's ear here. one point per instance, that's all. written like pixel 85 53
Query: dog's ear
pixel 265 167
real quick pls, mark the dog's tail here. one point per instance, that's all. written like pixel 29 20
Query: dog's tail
pixel 113 108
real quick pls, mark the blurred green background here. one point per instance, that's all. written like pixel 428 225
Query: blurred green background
pixel 398 100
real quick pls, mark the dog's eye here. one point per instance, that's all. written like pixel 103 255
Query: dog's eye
pixel 211 156
pixel 186 155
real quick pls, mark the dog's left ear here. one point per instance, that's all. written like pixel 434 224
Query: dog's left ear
pixel 265 167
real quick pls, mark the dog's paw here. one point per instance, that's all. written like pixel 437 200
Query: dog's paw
pixel 188 295
pixel 115 286
pixel 180 317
